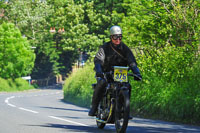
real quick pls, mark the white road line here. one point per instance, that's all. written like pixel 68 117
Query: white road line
pixel 32 111
pixel 73 122
pixel 28 110
pixel 11 105
pixel 7 101
pixel 8 98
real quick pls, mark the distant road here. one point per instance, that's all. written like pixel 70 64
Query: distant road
pixel 43 111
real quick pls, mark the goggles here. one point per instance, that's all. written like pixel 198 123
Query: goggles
pixel 115 37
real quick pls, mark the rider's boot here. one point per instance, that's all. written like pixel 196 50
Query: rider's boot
pixel 97 95
pixel 93 110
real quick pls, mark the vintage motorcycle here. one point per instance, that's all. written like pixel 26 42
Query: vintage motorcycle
pixel 115 105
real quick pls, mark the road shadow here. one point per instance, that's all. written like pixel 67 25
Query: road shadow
pixel 66 109
pixel 76 128
pixel 111 129
pixel 157 126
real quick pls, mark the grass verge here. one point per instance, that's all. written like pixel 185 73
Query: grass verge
pixel 78 88
pixel 12 85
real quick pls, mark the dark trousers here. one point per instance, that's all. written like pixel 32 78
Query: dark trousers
pixel 98 92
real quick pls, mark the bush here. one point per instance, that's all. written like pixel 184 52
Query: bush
pixel 78 86
pixel 10 85
pixel 16 56
pixel 170 88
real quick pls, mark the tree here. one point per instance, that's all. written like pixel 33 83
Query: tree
pixel 3 7
pixel 76 38
pixel 31 18
pixel 102 14
pixel 16 56
pixel 160 22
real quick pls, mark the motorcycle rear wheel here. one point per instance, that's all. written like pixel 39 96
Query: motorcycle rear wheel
pixel 122 112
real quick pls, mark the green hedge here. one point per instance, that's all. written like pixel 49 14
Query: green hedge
pixel 10 85
pixel 170 89
pixel 171 85
pixel 78 88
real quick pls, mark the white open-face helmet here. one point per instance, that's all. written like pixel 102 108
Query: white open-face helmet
pixel 115 30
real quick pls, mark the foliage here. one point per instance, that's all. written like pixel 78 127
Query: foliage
pixel 166 31
pixel 170 62
pixel 154 97
pixel 46 63
pixel 78 86
pixel 35 19
pixel 158 23
pixel 86 23
pixel 11 85
pixel 16 56
pixel 30 17
pixel 169 97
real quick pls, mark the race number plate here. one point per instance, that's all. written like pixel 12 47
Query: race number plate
pixel 120 74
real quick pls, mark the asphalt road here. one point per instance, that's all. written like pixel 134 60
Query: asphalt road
pixel 43 111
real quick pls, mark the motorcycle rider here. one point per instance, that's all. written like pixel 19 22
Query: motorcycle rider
pixel 112 53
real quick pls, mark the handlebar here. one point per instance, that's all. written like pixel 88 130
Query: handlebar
pixel 134 75
pixel 129 74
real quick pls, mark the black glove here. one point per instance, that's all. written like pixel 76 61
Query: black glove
pixel 137 75
pixel 98 70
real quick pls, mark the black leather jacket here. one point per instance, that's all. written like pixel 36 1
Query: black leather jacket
pixel 106 57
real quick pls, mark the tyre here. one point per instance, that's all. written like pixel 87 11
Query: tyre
pixel 100 123
pixel 122 112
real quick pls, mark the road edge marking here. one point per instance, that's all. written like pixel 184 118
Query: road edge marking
pixel 73 122
pixel 7 101
pixel 28 110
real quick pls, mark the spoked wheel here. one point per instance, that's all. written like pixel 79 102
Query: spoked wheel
pixel 100 123
pixel 122 112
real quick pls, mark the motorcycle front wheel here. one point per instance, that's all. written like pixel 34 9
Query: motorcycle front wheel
pixel 122 112
pixel 100 123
